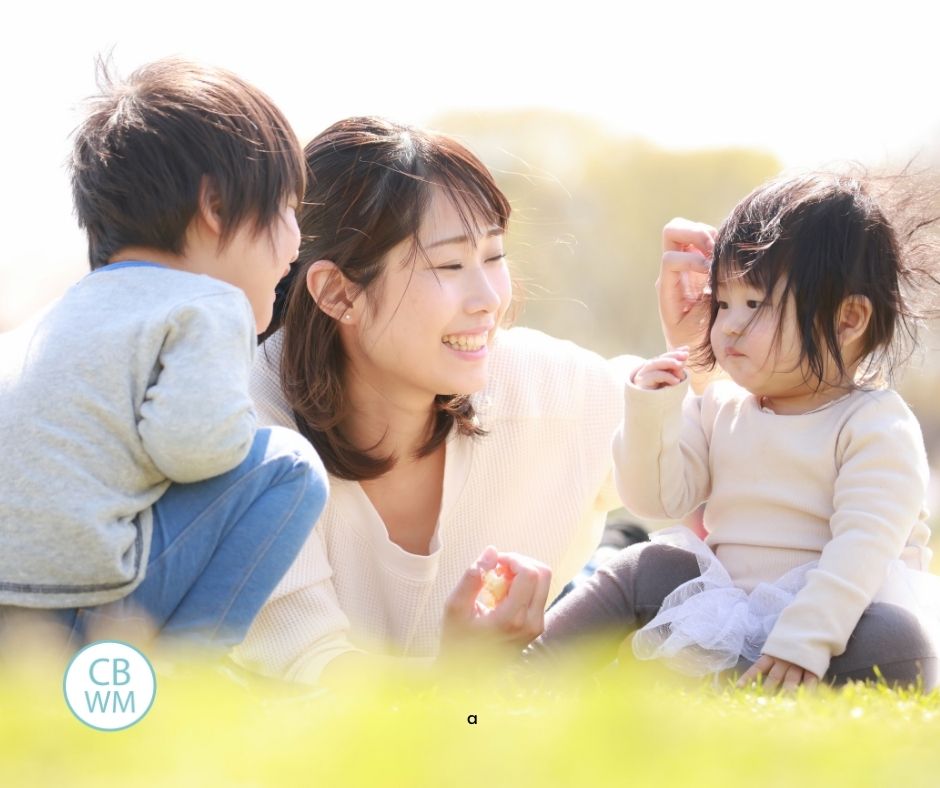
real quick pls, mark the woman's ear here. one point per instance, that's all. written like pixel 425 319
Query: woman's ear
pixel 854 317
pixel 330 290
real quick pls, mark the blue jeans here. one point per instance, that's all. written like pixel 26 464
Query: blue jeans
pixel 220 546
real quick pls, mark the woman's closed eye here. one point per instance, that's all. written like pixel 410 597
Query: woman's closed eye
pixel 456 265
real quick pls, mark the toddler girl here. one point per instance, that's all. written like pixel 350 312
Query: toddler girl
pixel 814 473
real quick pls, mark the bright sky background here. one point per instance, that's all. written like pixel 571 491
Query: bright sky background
pixel 814 82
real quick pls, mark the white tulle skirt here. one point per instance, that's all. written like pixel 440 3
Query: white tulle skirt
pixel 708 625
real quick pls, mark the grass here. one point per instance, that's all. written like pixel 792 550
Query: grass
pixel 639 726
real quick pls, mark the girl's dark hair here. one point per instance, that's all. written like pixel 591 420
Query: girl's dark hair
pixel 145 145
pixel 369 185
pixel 823 237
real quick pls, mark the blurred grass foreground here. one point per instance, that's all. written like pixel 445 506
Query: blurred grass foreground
pixel 639 725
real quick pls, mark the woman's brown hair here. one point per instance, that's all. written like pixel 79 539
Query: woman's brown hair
pixel 369 185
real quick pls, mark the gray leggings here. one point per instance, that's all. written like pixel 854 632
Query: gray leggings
pixel 627 592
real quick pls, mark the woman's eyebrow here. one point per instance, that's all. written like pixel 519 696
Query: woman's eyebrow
pixel 462 239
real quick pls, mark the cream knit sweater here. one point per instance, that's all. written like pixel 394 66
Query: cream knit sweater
pixel 539 483
pixel 844 485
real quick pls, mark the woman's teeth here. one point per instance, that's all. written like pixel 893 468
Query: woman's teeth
pixel 465 341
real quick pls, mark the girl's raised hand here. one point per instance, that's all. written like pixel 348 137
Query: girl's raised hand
pixel 665 370
pixel 778 673
pixel 683 275
pixel 517 619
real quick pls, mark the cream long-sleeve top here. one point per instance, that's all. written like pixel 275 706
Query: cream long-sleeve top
pixel 843 485
pixel 538 483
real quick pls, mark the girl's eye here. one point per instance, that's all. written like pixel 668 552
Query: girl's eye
pixel 496 258
pixel 752 304
pixel 449 267
pixel 722 304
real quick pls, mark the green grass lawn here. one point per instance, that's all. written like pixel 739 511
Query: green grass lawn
pixel 640 726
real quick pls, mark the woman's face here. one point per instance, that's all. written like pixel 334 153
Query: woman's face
pixel 428 326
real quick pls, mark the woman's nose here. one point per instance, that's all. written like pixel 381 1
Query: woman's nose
pixel 483 295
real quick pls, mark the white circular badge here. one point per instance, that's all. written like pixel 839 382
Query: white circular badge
pixel 109 685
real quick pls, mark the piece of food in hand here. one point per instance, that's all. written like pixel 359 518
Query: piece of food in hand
pixel 495 587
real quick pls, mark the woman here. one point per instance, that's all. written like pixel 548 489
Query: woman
pixel 442 431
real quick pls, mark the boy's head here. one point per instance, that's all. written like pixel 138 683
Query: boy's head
pixel 149 146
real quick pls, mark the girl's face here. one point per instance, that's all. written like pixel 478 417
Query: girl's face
pixel 749 346
pixel 431 320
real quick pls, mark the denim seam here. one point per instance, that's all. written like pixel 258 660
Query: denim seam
pixel 261 554
pixel 219 500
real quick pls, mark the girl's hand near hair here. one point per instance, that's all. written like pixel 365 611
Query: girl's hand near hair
pixel 683 275
pixel 517 620
pixel 778 673
pixel 662 371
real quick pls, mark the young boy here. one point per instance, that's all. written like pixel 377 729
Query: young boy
pixel 133 481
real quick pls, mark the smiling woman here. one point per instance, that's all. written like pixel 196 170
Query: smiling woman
pixel 443 430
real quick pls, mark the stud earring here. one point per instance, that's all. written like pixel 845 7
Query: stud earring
pixel 347 316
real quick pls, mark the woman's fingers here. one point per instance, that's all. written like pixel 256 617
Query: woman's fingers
pixel 678 262
pixel 680 233
pixel 535 622
pixel 683 277
pixel 461 603
pixel 518 618
pixel 519 615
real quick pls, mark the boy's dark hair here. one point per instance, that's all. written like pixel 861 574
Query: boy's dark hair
pixel 822 238
pixel 369 185
pixel 147 143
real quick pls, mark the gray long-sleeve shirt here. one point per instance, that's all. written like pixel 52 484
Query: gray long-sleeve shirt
pixel 136 378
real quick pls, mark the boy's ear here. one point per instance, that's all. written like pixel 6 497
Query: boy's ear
pixel 210 205
pixel 330 290
pixel 854 317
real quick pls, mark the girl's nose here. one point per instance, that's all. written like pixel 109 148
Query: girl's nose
pixel 732 325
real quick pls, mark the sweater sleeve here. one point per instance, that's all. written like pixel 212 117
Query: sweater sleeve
pixel 661 452
pixel 604 405
pixel 197 419
pixel 301 627
pixel 878 497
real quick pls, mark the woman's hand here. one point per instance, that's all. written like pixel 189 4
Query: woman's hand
pixel 665 370
pixel 778 673
pixel 683 274
pixel 518 619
